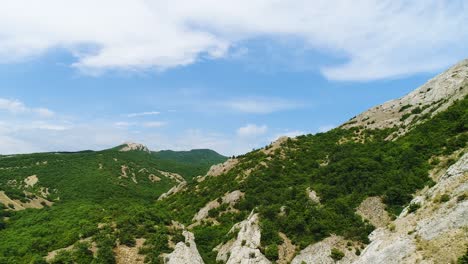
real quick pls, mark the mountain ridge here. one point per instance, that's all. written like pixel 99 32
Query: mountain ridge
pixel 391 192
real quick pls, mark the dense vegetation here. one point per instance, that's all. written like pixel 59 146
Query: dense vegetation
pixel 342 170
pixel 343 166
pixel 87 188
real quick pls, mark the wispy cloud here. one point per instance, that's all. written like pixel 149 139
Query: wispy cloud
pixel 252 130
pixel 372 38
pixel 260 105
pixel 154 124
pixel 143 114
pixel 14 106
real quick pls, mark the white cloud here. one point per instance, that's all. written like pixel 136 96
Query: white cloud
pixel 154 124
pixel 14 106
pixel 144 114
pixel 260 105
pixel 44 112
pixel 372 38
pixel 251 130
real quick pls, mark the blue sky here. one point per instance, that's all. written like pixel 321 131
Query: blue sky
pixel 208 75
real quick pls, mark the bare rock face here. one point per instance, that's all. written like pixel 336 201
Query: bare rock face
pixel 173 190
pixel 185 252
pixel 230 198
pixel 129 146
pixel 218 169
pixel 434 233
pixel 313 195
pixel 244 249
pixel 321 252
pixel 434 96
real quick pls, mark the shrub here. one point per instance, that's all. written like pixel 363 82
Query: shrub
pixel 445 198
pixel 413 207
pixel 271 252
pixel 461 198
pixel 336 254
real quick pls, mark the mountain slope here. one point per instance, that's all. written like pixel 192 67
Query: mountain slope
pixel 308 189
pixel 389 186
pixel 77 191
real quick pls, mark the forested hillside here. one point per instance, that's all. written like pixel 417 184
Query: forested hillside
pixel 51 200
pixel 389 186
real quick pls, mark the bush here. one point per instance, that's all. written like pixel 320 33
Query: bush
pixel 413 207
pixel 271 252
pixel 445 198
pixel 336 254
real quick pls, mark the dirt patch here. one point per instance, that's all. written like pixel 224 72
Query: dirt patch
pixel 286 251
pixel 31 181
pixel 373 209
pixel 130 255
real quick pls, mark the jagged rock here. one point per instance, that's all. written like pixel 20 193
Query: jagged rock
pixel 244 249
pixel 219 169
pixel 173 190
pixel 129 146
pixel 230 198
pixel 185 252
pixel 320 253
pixel 435 233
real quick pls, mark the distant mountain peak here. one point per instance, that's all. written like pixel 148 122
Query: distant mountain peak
pixel 131 146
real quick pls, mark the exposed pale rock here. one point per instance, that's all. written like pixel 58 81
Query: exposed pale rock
pixel 229 198
pixel 222 168
pixel 174 176
pixel 154 178
pixel 36 202
pixel 185 252
pixel 31 181
pixel 123 170
pixel 173 190
pixel 437 95
pixel 320 253
pixel 420 236
pixel 275 145
pixel 313 195
pixel 373 209
pixel 244 249
pixel 129 146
